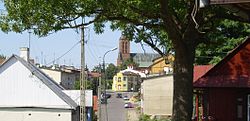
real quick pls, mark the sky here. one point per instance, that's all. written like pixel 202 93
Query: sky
pixel 45 50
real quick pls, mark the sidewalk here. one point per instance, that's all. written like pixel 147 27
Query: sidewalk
pixel 133 114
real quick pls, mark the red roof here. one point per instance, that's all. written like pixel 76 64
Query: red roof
pixel 232 71
pixel 94 74
pixel 200 70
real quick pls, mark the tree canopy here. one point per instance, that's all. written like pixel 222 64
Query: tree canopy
pixel 229 35
pixel 110 71
pixel 128 62
pixel 165 25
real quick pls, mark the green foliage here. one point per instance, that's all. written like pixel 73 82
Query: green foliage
pixel 89 85
pixel 109 83
pixel 148 118
pixel 228 35
pixel 2 57
pixel 97 68
pixel 128 62
pixel 110 71
pixel 162 24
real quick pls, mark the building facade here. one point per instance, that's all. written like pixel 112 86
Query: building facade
pixel 144 60
pixel 27 94
pixel 127 80
pixel 162 65
pixel 63 76
pixel 223 93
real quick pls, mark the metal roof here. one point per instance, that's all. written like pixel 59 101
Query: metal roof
pixel 144 59
pixel 200 70
pixel 129 70
pixel 57 89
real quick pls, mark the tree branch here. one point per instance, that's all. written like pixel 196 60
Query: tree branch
pixel 83 24
pixel 230 16
pixel 134 21
pixel 145 13
pixel 171 25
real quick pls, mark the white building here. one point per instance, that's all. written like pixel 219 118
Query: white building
pixel 64 77
pixel 27 94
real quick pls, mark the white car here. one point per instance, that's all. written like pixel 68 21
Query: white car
pixel 128 105
pixel 125 98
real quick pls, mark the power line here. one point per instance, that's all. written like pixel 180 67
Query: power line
pixel 92 54
pixel 64 53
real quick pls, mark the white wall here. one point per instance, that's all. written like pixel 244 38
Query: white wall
pixel 75 95
pixel 55 75
pixel 157 96
pixel 34 114
pixel 66 79
pixel 20 88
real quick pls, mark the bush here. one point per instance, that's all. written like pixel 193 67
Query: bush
pixel 149 118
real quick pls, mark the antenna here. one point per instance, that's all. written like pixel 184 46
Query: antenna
pixel 54 59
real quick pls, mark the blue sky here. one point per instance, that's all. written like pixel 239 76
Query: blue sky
pixel 45 49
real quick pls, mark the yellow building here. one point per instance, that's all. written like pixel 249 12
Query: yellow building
pixel 119 83
pixel 162 65
pixel 127 80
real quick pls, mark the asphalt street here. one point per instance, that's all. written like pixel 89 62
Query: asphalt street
pixel 115 109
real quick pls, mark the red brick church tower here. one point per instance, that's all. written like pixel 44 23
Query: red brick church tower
pixel 124 50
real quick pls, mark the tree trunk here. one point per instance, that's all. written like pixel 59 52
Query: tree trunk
pixel 183 80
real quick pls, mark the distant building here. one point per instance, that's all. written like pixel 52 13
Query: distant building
pixel 143 59
pixel 162 65
pixel 127 80
pixel 64 75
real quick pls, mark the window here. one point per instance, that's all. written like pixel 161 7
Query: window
pixel 124 85
pixel 119 79
pixel 124 78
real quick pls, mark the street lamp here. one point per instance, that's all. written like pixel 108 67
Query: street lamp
pixel 104 76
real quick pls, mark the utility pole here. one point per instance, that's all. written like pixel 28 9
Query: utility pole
pixel 82 79
pixel 99 118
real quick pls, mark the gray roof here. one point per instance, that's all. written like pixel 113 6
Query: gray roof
pixel 144 59
pixel 56 88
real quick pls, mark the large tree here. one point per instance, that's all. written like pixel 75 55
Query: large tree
pixel 155 22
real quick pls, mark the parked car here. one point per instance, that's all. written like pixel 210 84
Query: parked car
pixel 107 95
pixel 128 105
pixel 125 98
pixel 118 95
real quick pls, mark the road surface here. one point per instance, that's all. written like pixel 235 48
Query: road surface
pixel 115 109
